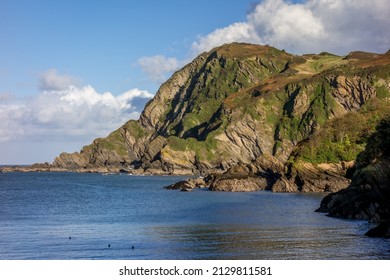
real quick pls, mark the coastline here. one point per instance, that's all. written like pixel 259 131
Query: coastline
pixel 47 167
pixel 233 180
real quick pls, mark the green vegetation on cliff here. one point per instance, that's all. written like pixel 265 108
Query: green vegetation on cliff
pixel 368 195
pixel 378 144
pixel 344 137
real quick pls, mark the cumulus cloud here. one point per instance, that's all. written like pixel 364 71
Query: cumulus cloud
pixel 74 113
pixel 236 32
pixel 290 26
pixel 158 67
pixel 311 26
pixel 51 80
pixel 338 26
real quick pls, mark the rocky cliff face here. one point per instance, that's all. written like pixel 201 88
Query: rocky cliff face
pixel 255 106
pixel 368 196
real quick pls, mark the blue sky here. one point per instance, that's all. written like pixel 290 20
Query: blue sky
pixel 71 71
pixel 100 41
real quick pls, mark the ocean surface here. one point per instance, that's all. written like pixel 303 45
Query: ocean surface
pixel 93 216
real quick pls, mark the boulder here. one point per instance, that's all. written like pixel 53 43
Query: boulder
pixel 188 185
pixel 238 184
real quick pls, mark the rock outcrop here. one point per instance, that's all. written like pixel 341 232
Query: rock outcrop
pixel 308 177
pixel 237 179
pixel 188 185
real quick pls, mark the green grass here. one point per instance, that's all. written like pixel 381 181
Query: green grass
pixel 135 129
pixel 382 91
pixel 326 62
pixel 317 63
pixel 113 142
pixel 204 150
pixel 297 126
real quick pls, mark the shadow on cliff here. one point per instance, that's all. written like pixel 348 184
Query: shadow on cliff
pixel 368 196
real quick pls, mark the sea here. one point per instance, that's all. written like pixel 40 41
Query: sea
pixel 72 216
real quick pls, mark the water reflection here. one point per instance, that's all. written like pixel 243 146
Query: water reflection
pixel 243 242
pixel 39 212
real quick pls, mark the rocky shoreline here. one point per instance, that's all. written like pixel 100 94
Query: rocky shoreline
pixel 260 175
pixel 244 178
pixel 365 198
pixel 237 179
pixel 47 167
pixel 36 167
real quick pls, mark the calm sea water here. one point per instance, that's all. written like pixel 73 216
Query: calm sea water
pixel 92 216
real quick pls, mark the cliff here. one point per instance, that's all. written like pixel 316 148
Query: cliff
pixel 293 123
pixel 368 196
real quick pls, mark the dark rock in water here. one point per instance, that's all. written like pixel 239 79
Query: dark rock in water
pixel 382 230
pixel 178 185
pixel 187 185
pixel 238 183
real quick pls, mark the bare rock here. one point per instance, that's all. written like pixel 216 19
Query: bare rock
pixel 308 177
pixel 188 185
pixel 238 184
pixel 284 185
pixel 352 92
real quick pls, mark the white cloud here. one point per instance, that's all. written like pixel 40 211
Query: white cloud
pixel 338 26
pixel 51 80
pixel 236 32
pixel 311 26
pixel 158 67
pixel 288 26
pixel 74 113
